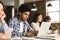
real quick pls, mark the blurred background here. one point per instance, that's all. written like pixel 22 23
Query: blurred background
pixel 45 7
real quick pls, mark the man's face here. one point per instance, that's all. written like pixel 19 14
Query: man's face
pixel 25 15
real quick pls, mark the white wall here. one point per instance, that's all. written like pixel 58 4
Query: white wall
pixel 8 2
pixel 26 1
pixel 11 2
pixel 21 2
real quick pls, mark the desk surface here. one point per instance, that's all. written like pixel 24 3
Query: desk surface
pixel 33 38
pixel 48 37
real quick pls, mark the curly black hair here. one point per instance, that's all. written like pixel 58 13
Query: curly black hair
pixel 46 18
pixel 23 8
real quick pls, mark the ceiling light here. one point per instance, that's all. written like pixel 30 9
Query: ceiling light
pixel 49 5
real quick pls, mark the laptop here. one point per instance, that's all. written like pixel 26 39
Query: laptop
pixel 44 29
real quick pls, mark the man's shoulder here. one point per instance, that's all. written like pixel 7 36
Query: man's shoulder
pixel 14 19
pixel 26 22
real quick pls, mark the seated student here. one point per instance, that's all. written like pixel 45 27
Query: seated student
pixel 47 19
pixel 4 33
pixel 52 28
pixel 37 18
pixel 19 23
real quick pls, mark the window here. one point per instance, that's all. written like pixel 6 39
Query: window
pixel 53 11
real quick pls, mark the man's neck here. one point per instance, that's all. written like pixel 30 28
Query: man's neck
pixel 21 20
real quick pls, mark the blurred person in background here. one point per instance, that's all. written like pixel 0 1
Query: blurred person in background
pixel 36 22
pixel 4 30
pixel 47 19
pixel 52 28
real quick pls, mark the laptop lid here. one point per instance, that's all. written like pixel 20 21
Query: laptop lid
pixel 44 29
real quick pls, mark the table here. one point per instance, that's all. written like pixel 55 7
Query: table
pixel 31 38
pixel 47 37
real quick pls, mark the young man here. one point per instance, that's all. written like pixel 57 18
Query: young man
pixel 19 24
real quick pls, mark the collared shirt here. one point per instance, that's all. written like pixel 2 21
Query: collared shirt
pixel 15 24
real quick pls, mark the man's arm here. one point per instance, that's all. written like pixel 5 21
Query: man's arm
pixel 31 33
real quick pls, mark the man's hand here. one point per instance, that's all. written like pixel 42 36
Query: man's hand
pixel 28 34
pixel 31 33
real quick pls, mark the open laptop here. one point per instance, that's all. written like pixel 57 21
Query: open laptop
pixel 44 29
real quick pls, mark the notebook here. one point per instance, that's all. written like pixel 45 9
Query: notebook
pixel 44 29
